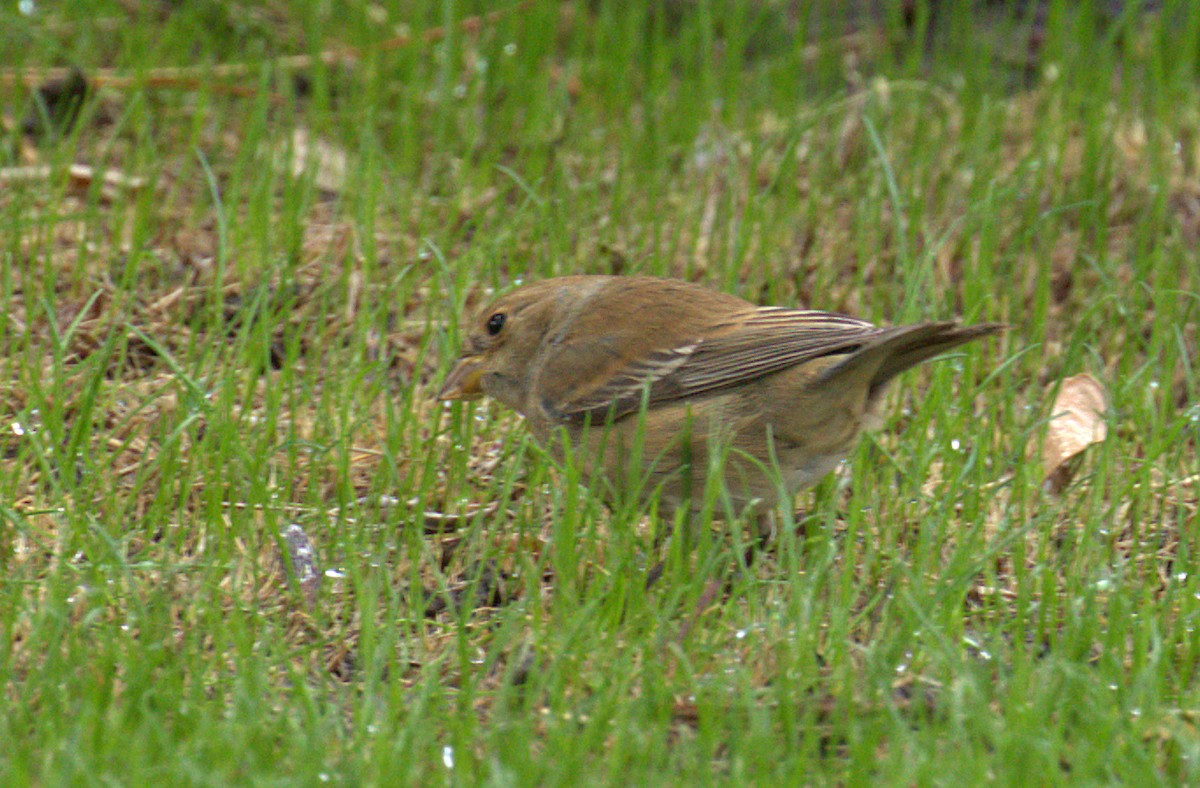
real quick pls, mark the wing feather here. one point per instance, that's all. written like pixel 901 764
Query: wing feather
pixel 770 339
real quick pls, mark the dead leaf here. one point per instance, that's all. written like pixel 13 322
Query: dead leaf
pixel 1076 422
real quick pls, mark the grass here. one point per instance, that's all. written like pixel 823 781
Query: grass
pixel 193 366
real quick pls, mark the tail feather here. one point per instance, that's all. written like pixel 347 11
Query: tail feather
pixel 905 346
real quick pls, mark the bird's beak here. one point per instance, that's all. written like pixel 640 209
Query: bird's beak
pixel 463 380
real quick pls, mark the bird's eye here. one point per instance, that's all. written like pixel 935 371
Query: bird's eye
pixel 495 323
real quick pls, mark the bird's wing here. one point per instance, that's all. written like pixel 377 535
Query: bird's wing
pixel 766 340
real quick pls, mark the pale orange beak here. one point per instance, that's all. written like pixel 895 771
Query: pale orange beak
pixel 463 380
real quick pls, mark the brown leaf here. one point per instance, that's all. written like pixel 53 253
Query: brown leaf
pixel 1076 422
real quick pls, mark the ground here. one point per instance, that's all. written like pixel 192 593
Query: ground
pixel 241 542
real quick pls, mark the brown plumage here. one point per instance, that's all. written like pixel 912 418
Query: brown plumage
pixel 652 380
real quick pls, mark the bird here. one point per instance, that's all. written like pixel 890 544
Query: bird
pixel 654 384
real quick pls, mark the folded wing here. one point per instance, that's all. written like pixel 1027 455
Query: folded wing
pixel 766 340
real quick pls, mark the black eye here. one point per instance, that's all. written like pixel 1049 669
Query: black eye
pixel 495 323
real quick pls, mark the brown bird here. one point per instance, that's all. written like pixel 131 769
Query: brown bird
pixel 656 383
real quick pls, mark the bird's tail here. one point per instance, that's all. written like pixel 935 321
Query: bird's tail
pixel 897 349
